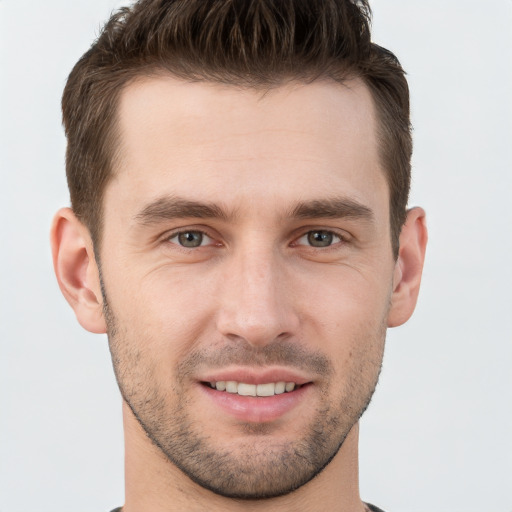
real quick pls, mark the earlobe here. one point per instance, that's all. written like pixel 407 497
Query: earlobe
pixel 76 269
pixel 408 267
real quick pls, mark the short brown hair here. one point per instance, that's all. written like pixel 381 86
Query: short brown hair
pixel 249 43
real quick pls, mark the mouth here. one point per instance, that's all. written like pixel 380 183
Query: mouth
pixel 255 397
pixel 254 390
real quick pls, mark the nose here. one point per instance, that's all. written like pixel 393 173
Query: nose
pixel 256 299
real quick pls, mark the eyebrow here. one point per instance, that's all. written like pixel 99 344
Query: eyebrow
pixel 169 208
pixel 333 208
pixel 172 207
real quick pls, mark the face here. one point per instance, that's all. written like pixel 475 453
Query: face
pixel 247 274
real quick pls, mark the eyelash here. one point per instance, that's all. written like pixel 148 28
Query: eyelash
pixel 176 234
pixel 341 239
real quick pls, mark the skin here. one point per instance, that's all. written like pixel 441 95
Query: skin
pixel 269 174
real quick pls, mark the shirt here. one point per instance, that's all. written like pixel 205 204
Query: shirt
pixel 372 508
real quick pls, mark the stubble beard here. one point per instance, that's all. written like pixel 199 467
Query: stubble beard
pixel 260 467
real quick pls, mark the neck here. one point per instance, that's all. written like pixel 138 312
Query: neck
pixel 155 484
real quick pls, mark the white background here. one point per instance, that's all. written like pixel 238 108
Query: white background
pixel 438 436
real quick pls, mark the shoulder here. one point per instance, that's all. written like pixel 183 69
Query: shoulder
pixel 371 508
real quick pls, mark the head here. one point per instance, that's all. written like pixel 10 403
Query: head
pixel 239 174
pixel 257 45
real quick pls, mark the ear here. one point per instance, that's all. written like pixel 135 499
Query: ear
pixel 76 269
pixel 408 267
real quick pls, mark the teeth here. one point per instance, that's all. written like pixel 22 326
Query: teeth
pixel 280 388
pixel 265 389
pixel 244 389
pixel 231 386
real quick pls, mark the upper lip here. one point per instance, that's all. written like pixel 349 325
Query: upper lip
pixel 256 376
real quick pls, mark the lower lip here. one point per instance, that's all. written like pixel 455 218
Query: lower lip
pixel 256 409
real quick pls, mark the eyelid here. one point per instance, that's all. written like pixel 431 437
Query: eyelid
pixel 169 235
pixel 335 242
pixel 205 238
pixel 342 236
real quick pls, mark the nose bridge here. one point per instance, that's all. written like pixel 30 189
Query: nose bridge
pixel 255 301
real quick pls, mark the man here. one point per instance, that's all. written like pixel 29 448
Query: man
pixel 239 173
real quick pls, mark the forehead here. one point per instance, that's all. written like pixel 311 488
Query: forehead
pixel 210 141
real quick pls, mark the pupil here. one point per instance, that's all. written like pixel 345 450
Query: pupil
pixel 320 238
pixel 191 239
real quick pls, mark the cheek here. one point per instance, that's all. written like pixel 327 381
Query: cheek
pixel 347 315
pixel 170 309
pixel 346 299
pixel 165 310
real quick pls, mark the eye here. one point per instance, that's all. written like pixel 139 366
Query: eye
pixel 190 239
pixel 319 238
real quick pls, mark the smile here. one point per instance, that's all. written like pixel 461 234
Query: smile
pixel 245 389
pixel 255 397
